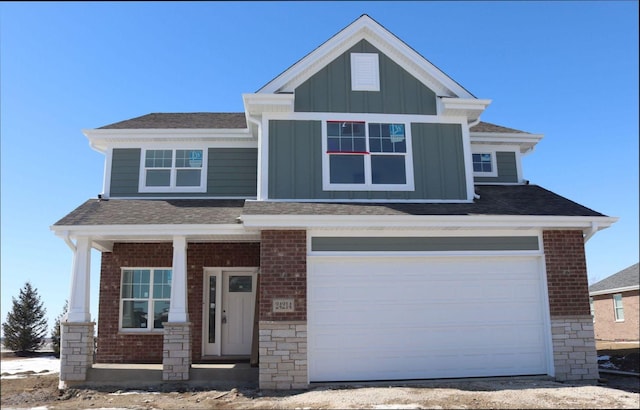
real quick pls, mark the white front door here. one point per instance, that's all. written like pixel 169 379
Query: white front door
pixel 229 302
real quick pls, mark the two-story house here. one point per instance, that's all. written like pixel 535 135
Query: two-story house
pixel 356 222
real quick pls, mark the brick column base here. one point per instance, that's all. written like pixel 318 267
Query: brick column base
pixel 283 355
pixel 574 349
pixel 176 351
pixel 76 352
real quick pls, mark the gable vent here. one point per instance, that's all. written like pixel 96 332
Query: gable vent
pixel 365 73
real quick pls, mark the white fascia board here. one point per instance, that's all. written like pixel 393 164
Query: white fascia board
pixel 102 139
pixel 616 290
pixel 425 221
pixel 471 108
pixel 256 104
pixel 150 231
pixel 526 142
pixel 368 29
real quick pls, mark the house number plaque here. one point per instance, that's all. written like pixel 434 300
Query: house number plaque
pixel 283 305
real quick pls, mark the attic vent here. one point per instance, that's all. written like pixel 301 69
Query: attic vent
pixel 365 73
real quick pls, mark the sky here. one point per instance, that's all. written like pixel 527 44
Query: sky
pixel 567 70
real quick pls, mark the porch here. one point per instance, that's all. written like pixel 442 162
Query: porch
pixel 144 376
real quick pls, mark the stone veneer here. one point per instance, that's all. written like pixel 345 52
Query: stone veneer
pixel 176 351
pixel 283 355
pixel 76 351
pixel 574 348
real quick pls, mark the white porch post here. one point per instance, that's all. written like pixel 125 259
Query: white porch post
pixel 178 308
pixel 79 308
pixel 176 350
pixel 76 343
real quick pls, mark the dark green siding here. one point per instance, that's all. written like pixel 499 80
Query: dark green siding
pixel 295 164
pixel 507 169
pixel 231 172
pixel 329 90
pixel 125 171
pixel 422 244
pixel 438 161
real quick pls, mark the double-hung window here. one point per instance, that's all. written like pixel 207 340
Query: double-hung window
pixel 618 309
pixel 367 156
pixel 484 164
pixel 144 298
pixel 173 170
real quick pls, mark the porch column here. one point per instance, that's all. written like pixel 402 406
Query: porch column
pixel 79 310
pixel 77 344
pixel 176 350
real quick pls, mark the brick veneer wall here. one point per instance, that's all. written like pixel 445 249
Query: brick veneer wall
pixel 120 347
pixel 566 273
pixel 574 348
pixel 605 324
pixel 283 273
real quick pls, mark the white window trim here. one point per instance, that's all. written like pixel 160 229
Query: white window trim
pixel 369 63
pixel 616 307
pixel 494 164
pixel 172 184
pixel 368 185
pixel 149 328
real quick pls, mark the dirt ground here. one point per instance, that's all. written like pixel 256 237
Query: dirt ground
pixel 613 391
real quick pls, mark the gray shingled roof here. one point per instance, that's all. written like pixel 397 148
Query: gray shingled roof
pixel 230 120
pixel 494 200
pixel 625 278
pixel 154 212
pixel 184 120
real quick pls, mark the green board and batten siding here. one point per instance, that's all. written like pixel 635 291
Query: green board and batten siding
pixel 329 90
pixel 424 244
pixel 231 172
pixel 507 169
pixel 295 163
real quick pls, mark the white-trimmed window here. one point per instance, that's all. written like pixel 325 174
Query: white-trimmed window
pixel 618 309
pixel 363 155
pixel 145 294
pixel 484 164
pixel 173 170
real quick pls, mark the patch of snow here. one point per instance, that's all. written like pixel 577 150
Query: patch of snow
pixel 19 368
pixel 129 392
pixel 397 406
pixel 605 357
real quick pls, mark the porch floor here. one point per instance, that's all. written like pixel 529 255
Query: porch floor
pixel 145 376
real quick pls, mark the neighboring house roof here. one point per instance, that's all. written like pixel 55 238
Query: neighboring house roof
pixel 154 212
pixel 227 120
pixel 494 200
pixel 204 120
pixel 626 279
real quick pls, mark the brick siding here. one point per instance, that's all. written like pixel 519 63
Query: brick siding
pixel 566 273
pixel 119 347
pixel 283 273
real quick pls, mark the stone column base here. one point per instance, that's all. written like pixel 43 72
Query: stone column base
pixel 283 355
pixel 574 349
pixel 76 352
pixel 176 351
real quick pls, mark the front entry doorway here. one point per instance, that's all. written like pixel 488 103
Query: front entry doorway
pixel 229 304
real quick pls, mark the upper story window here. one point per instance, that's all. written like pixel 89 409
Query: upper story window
pixel 365 72
pixel 618 309
pixel 144 298
pixel 367 156
pixel 173 170
pixel 484 164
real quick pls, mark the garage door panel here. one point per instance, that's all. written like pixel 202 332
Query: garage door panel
pixel 404 318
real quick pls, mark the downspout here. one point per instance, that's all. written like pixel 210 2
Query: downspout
pixel 591 232
pixel 67 240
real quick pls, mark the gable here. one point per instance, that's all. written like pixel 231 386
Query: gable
pixel 365 28
pixel 331 89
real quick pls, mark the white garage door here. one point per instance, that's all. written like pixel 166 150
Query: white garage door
pixel 418 318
